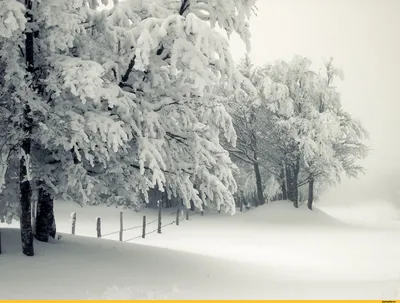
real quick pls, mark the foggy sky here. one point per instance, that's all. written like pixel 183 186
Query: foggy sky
pixel 363 37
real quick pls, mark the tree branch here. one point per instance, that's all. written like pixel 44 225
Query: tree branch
pixel 163 170
pixel 185 5
pixel 125 77
pixel 177 138
pixel 236 153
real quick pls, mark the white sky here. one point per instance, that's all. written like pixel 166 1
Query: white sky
pixel 363 37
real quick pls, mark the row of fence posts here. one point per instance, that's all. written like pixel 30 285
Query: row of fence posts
pixel 121 223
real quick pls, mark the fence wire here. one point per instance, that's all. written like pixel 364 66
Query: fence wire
pixel 128 229
pixel 150 232
pixel 182 217
pixel 109 234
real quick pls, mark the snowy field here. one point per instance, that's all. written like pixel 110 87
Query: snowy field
pixel 273 252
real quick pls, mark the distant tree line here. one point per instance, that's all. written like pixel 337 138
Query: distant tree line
pixel 294 139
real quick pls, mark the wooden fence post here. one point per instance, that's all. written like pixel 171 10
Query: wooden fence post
pixel 73 217
pixel 241 203
pixel 187 214
pixel 121 225
pixel 144 227
pixel 98 227
pixel 159 217
pixel 177 217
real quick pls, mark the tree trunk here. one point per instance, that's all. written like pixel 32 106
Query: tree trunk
pixel 254 200
pixel 296 171
pixel 284 192
pixel 25 188
pixel 45 222
pixel 245 202
pixel 291 182
pixel 260 195
pixel 33 213
pixel 167 202
pixel 310 193
pixel 24 182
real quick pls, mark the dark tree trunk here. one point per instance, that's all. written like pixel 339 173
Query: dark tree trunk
pixel 245 202
pixel 290 183
pixel 33 214
pixel 254 201
pixel 192 207
pixel 283 185
pixel 45 222
pixel 25 185
pixel 260 195
pixel 166 201
pixel 284 192
pixel 292 173
pixel 295 174
pixel 26 193
pixel 310 193
pixel 296 181
pixel 241 204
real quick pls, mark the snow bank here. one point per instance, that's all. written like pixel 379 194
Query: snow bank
pixel 272 252
pixel 83 268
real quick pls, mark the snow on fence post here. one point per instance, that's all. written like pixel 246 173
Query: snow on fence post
pixel 98 227
pixel 121 225
pixel 73 217
pixel 177 217
pixel 159 217
pixel 187 214
pixel 144 227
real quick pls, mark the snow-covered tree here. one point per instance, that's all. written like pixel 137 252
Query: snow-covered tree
pixel 244 109
pixel 299 128
pixel 340 137
pixel 120 100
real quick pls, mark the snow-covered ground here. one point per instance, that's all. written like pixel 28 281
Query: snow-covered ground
pixel 273 252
